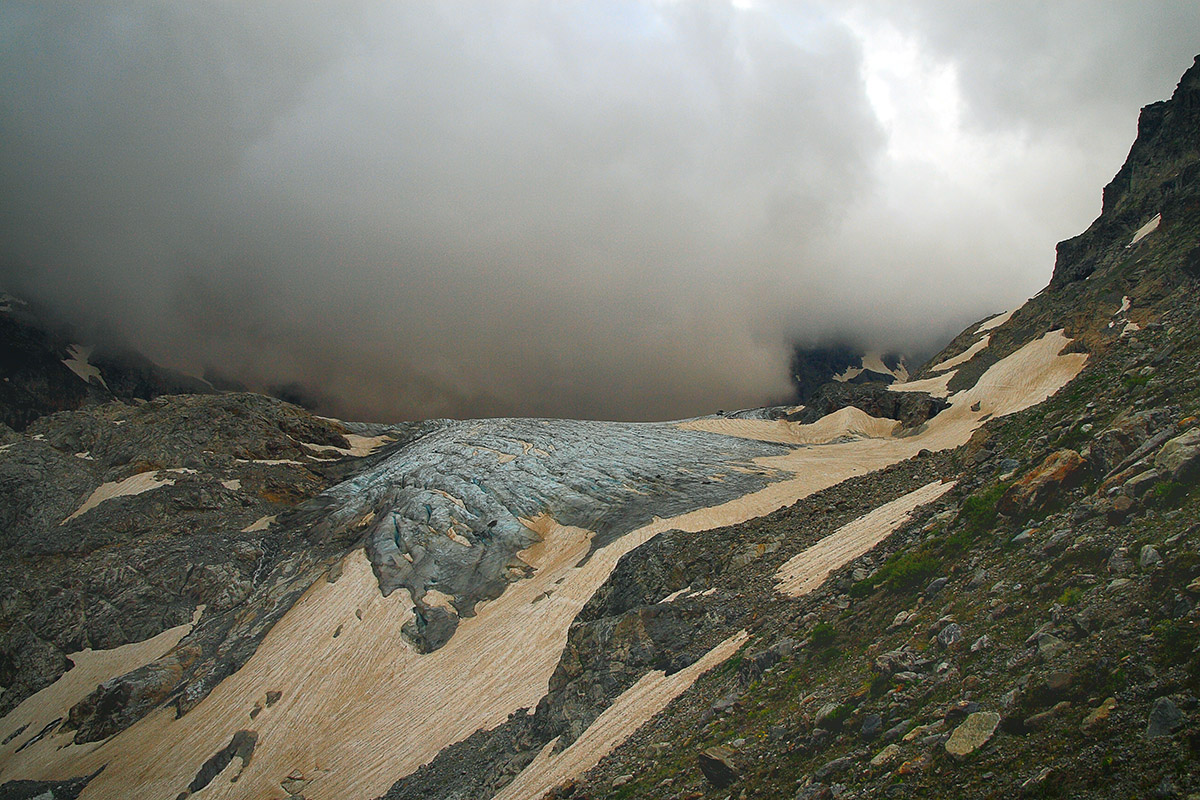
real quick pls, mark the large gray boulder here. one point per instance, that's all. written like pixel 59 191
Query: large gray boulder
pixel 1179 458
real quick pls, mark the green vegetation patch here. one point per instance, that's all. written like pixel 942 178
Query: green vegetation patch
pixel 902 572
pixel 823 634
pixel 979 510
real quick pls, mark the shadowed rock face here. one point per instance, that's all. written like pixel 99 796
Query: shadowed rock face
pixel 910 408
pixel 447 509
pixel 814 367
pixel 1161 175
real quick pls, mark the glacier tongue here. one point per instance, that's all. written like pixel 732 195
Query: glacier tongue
pixel 449 512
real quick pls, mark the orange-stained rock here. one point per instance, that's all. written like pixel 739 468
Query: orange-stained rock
pixel 1042 485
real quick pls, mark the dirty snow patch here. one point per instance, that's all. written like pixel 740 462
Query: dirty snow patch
pixel 807 570
pixel 937 387
pixel 964 356
pixel 260 524
pixel 872 362
pixel 359 445
pixel 995 322
pixel 78 363
pixel 848 422
pixel 136 484
pixel 1121 315
pixel 673 596
pixel 1145 230
pixel 232 485
pixel 632 709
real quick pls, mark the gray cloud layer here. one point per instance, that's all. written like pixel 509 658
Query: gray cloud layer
pixel 616 210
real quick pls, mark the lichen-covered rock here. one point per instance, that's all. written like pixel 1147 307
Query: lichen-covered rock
pixel 1043 485
pixel 974 732
pixel 1179 458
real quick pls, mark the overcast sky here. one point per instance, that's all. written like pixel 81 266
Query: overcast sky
pixel 609 209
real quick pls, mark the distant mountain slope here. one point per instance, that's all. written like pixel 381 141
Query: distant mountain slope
pixel 46 369
pixel 814 367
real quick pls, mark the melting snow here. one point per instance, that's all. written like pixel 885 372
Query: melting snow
pixel 359 445
pixel 1145 230
pixel 964 356
pixel 938 386
pixel 676 594
pixel 260 524
pixel 1121 315
pixel 872 362
pixel 636 706
pixel 995 322
pixel 807 570
pixel 78 363
pixel 136 484
pixel 90 669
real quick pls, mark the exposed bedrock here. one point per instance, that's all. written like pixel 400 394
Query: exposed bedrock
pixel 911 408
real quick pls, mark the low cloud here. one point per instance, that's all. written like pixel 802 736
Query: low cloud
pixel 609 210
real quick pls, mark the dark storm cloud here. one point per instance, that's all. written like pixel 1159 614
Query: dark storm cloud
pixel 609 209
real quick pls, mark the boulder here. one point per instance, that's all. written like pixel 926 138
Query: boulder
pixel 950 635
pixel 1141 483
pixel 975 731
pixel 1043 485
pixel 887 756
pixel 1179 458
pixel 1098 716
pixel 717 765
pixel 832 769
pixel 1165 718
pixel 872 726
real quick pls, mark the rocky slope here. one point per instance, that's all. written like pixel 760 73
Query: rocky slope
pixel 958 590
pixel 1036 632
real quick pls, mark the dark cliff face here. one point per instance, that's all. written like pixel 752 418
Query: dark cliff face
pixel 1160 176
